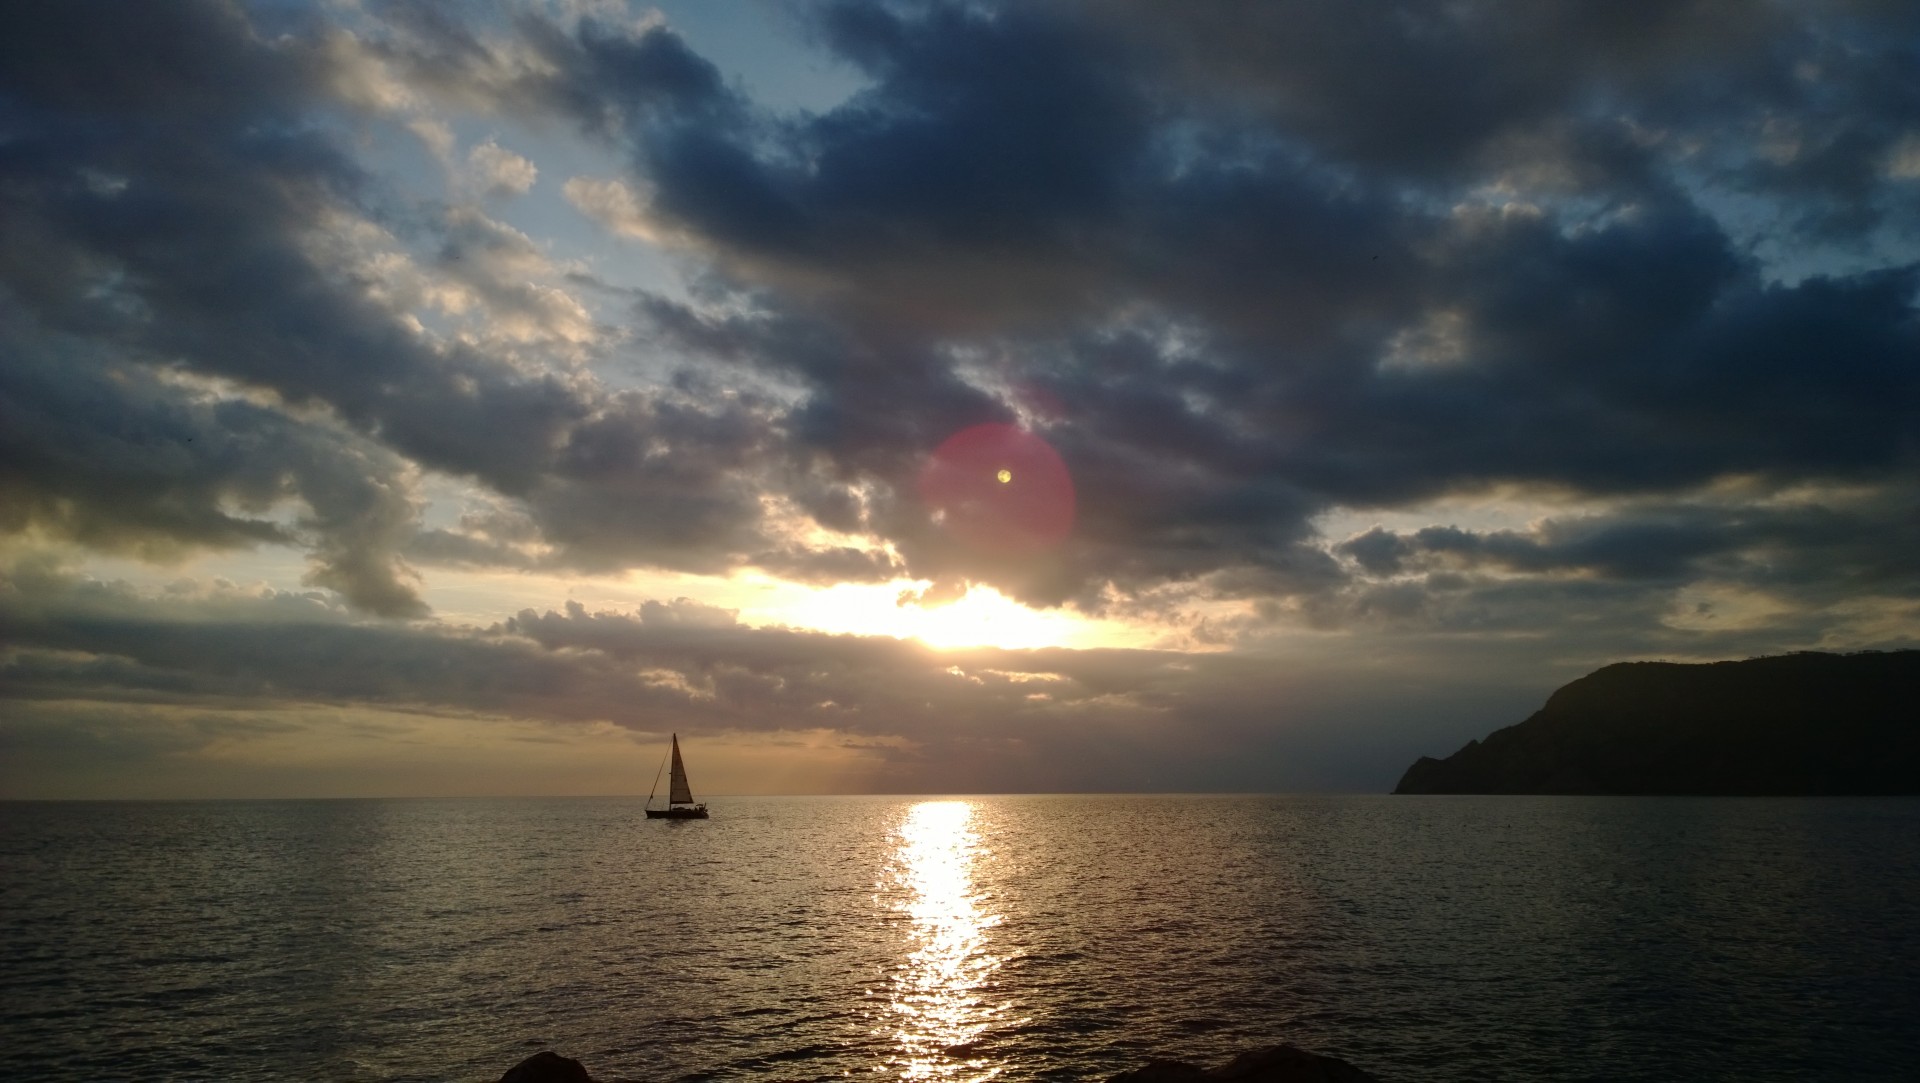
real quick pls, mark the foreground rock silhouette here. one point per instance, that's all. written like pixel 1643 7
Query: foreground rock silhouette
pixel 547 1066
pixel 1272 1064
pixel 1797 724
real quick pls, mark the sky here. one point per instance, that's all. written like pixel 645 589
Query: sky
pixel 432 398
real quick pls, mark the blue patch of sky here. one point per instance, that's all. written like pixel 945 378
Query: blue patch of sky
pixel 561 153
pixel 764 47
pixel 761 47
pixel 1766 229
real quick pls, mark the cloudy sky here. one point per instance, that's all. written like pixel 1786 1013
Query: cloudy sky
pixel 433 398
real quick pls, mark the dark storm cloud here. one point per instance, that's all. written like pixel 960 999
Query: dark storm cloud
pixel 827 566
pixel 1651 578
pixel 121 461
pixel 179 231
pixel 189 62
pixel 494 58
pixel 1241 270
pixel 1850 546
pixel 1417 89
pixel 173 201
pixel 1366 258
pixel 988 151
pixel 1633 357
pixel 1799 103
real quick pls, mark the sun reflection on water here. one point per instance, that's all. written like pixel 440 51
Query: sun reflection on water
pixel 938 997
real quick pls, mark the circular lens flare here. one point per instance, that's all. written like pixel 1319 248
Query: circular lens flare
pixel 999 488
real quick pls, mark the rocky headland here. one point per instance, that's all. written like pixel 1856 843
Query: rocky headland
pixel 1796 724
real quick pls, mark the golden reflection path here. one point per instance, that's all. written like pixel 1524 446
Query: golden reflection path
pixel 938 997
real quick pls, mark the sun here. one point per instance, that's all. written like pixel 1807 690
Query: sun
pixel 999 489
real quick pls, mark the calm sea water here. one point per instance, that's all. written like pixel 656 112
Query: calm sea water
pixel 961 939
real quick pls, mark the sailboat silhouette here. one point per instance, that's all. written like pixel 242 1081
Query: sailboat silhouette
pixel 680 804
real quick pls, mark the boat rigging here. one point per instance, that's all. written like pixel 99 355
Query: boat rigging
pixel 680 803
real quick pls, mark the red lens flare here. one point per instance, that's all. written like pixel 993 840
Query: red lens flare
pixel 999 488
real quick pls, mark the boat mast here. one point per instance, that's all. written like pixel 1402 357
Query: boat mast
pixel 655 788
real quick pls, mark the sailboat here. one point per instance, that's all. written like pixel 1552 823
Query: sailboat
pixel 680 804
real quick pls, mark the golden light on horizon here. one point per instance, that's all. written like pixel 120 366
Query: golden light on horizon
pixel 937 1001
pixel 987 618
pixel 1004 475
pixel 984 617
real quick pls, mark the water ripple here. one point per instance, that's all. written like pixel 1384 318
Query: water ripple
pixel 986 938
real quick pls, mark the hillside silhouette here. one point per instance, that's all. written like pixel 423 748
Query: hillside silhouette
pixel 1804 723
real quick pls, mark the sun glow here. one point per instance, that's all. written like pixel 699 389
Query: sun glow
pixel 983 617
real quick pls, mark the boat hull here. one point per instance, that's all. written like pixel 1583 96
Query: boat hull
pixel 698 812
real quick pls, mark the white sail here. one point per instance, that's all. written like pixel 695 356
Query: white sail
pixel 678 792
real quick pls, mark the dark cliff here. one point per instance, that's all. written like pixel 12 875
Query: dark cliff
pixel 1792 724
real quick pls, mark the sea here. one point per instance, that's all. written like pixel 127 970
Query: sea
pixel 961 938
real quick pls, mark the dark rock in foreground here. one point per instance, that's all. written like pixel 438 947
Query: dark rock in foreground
pixel 547 1066
pixel 1274 1064
pixel 1798 724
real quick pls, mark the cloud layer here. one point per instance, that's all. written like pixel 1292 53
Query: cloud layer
pixel 181 674
pixel 1638 287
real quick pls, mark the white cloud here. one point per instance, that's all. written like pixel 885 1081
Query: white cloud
pixel 613 205
pixel 435 135
pixel 497 171
pixel 1903 161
